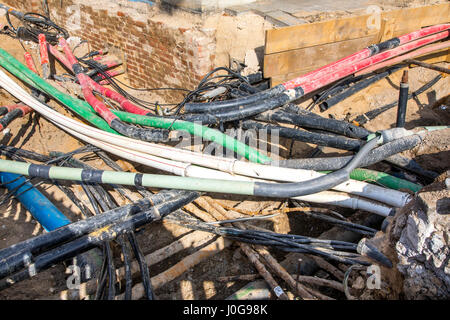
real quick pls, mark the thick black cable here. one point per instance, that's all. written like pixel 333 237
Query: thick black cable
pixel 320 139
pixel 144 134
pixel 240 112
pixel 335 163
pixel 287 190
pixel 10 117
pixel 87 242
pixel 356 87
pixel 315 122
pixel 14 256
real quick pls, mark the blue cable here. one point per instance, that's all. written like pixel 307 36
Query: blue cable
pixel 34 201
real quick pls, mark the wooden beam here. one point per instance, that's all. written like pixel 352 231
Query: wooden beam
pixel 296 50
pixel 410 19
pixel 435 57
pixel 312 57
pixel 317 33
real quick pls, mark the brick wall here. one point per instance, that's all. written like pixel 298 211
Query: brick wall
pixel 157 54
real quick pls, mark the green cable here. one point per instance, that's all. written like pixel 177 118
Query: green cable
pixel 195 129
pixel 128 178
pixel 382 178
pixel 84 110
pixel 26 75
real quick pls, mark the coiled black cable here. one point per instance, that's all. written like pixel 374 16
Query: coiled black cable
pixel 35 24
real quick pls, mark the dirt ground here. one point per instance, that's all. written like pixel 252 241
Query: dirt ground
pixel 36 133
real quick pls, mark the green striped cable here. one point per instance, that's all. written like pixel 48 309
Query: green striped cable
pixel 128 178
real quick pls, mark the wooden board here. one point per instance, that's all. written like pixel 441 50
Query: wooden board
pixel 293 51
pixel 407 20
pixel 276 80
pixel 310 57
pixel 317 33
pixel 435 57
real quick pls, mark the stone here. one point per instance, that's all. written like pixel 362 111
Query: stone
pixel 423 247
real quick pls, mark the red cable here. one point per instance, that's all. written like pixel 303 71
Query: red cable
pixel 58 55
pixel 124 103
pixel 415 53
pixel 29 62
pixel 363 54
pixel 96 104
pixel 43 48
pixel 111 74
pixel 25 109
pixel 365 63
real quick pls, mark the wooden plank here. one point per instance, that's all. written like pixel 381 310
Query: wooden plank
pixel 410 19
pixel 435 57
pixel 312 57
pixel 296 50
pixel 317 33
pixel 282 18
pixel 276 80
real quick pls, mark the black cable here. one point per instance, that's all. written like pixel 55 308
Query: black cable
pixel 144 134
pixel 3 111
pixel 287 190
pixel 87 242
pixel 356 87
pixel 402 101
pixel 99 294
pixel 370 115
pixel 143 266
pixel 305 244
pixel 230 72
pixel 220 106
pixel 336 163
pixel 305 120
pixel 336 87
pixel 127 267
pixel 10 117
pixel 113 82
pixel 107 203
pixel 320 139
pixel 14 256
pixel 34 24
